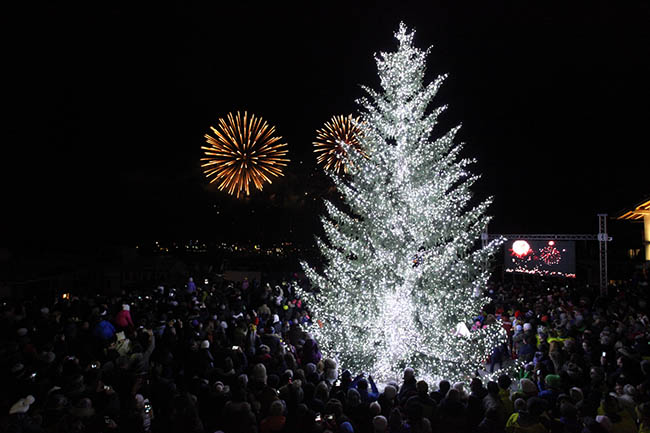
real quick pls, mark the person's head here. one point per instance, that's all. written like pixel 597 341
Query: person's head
pixel 460 387
pixel 596 374
pixel 645 367
pixel 644 411
pixel 618 387
pixel 334 407
pixel 422 387
pixel 322 391
pixel 528 387
pixel 286 377
pixel 409 373
pixel 290 361
pixel 520 405
pixel 273 380
pixel 277 408
pixel 329 364
pixel 259 373
pixel 414 409
pixel 310 368
pixel 353 397
pixel 535 406
pixel 630 390
pixel 390 392
pixel 379 424
pixel 610 405
pixel 605 422
pixel 476 385
pixel 493 387
pixel 299 374
pixel 453 395
pixel 444 386
pixel 504 381
pixel 374 408
pixel 553 381
pixel 576 394
pixel 362 385
pixel 568 411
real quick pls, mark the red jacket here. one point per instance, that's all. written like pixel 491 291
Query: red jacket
pixel 273 423
pixel 123 319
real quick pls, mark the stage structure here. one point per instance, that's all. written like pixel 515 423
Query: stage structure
pixel 522 247
pixel 641 212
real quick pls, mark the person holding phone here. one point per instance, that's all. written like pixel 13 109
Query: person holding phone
pixel 360 383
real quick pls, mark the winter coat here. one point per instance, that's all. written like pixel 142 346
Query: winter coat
pixel 104 330
pixel 310 352
pixel 123 319
pixel 521 422
pixel 451 417
pixel 407 390
pixel 273 424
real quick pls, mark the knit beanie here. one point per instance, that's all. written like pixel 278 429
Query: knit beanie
pixel 553 381
pixel 576 394
pixel 528 387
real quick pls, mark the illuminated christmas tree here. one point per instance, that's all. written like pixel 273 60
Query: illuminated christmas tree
pixel 404 272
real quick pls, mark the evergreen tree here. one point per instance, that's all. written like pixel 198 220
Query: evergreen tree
pixel 403 265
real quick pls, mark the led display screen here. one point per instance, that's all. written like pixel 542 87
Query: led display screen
pixel 540 257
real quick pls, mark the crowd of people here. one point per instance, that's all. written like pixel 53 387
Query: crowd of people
pixel 234 357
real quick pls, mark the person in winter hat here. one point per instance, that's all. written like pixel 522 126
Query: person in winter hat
pixel 528 420
pixel 528 387
pixel 552 392
pixel 123 318
pixel 276 420
pixel 576 395
pixel 310 351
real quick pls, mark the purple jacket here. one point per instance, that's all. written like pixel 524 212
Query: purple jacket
pixel 310 352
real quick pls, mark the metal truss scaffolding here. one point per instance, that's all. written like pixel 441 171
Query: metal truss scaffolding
pixel 601 237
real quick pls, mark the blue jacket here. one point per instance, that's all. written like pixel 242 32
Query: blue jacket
pixel 366 395
pixel 104 330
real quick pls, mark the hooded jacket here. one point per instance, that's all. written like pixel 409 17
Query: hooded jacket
pixel 123 319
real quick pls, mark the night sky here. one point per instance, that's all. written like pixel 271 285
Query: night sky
pixel 110 105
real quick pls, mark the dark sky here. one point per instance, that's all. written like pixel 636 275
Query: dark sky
pixel 111 102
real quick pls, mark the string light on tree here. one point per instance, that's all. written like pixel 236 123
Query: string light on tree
pixel 404 273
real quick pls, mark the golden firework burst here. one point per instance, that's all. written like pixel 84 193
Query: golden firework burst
pixel 329 145
pixel 242 151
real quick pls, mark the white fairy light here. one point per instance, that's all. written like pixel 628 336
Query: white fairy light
pixel 404 273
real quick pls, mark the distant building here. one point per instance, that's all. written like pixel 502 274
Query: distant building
pixel 641 212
